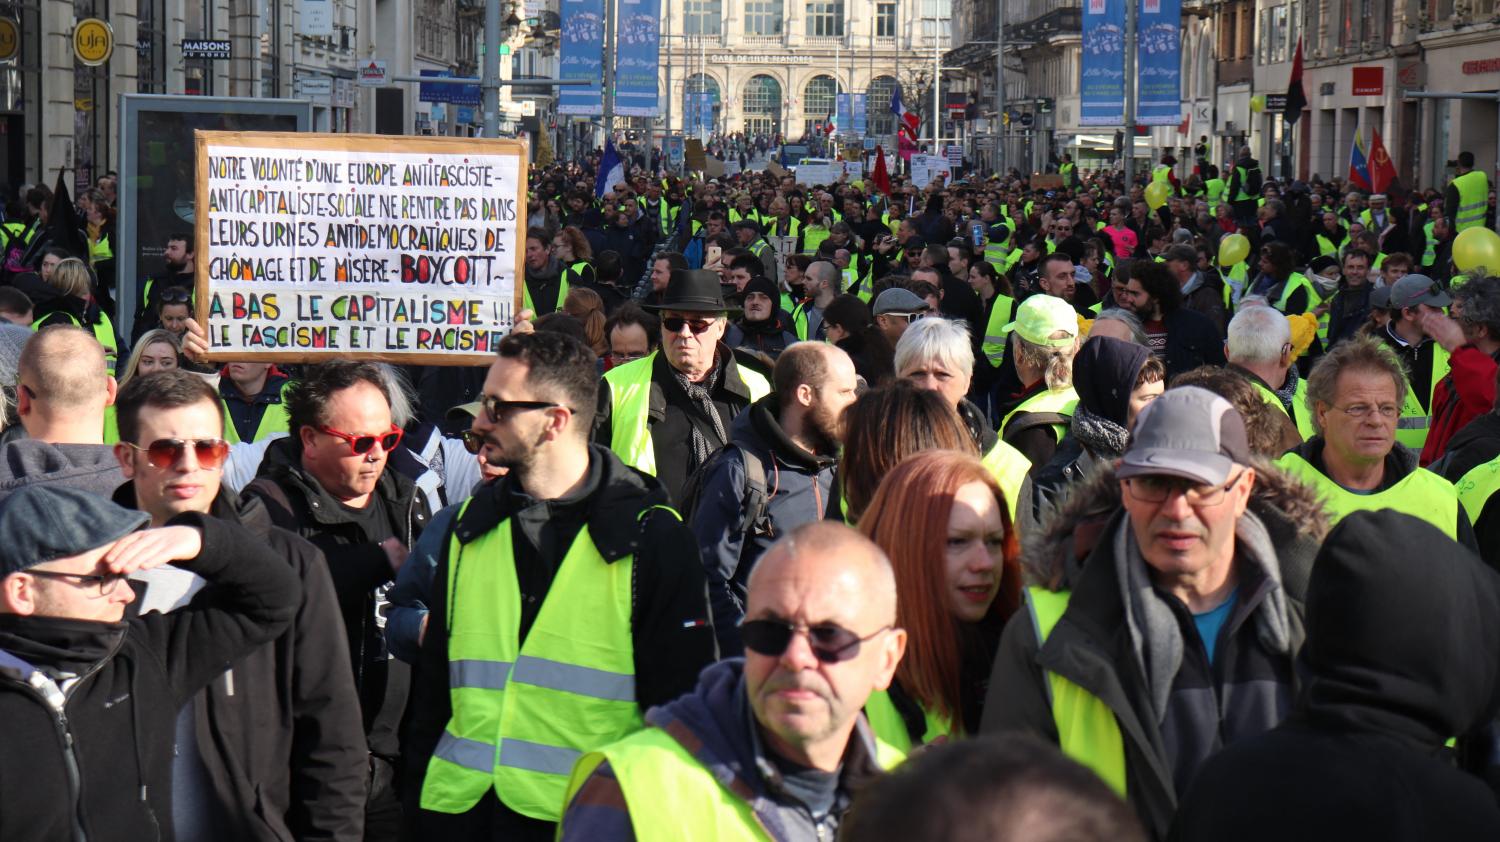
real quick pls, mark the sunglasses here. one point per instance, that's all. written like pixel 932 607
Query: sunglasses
pixel 493 407
pixel 830 643
pixel 175 295
pixel 360 445
pixel 164 453
pixel 473 442
pixel 674 324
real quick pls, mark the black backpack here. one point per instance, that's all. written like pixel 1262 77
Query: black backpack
pixel 754 503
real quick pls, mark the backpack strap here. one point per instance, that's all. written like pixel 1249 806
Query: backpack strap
pixel 757 498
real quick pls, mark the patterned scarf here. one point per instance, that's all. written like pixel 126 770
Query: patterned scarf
pixel 702 394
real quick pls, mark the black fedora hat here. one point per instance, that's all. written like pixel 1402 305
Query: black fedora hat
pixel 694 291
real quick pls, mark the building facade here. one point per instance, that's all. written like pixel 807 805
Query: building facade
pixel 776 66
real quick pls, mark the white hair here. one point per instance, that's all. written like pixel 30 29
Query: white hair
pixel 403 407
pixel 1257 335
pixel 935 339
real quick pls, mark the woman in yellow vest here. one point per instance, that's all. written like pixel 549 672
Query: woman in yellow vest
pixel 1044 340
pixel 74 305
pixel 572 250
pixel 945 524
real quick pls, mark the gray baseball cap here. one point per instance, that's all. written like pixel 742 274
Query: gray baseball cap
pixel 1188 432
pixel 1417 289
pixel 43 523
pixel 899 300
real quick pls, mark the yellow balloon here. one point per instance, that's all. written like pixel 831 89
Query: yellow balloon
pixel 1477 248
pixel 1233 249
pixel 1156 194
pixel 1258 103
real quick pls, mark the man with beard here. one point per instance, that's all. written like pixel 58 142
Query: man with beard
pixel 179 260
pixel 780 457
pixel 569 599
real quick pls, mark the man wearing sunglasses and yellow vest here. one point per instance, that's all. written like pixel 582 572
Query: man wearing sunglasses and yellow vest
pixel 771 747
pixel 667 413
pixel 1177 638
pixel 568 598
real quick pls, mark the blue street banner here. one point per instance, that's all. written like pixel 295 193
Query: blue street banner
pixel 582 57
pixel 699 114
pixel 1159 63
pixel 637 58
pixel 443 92
pixel 1102 93
pixel 842 118
pixel 850 114
pixel 860 107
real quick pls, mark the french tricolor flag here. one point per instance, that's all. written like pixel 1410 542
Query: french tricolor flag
pixel 909 121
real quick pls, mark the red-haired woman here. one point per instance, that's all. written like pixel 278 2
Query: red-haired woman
pixel 945 524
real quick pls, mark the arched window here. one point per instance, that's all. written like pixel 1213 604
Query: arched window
pixel 700 102
pixel 878 106
pixel 817 103
pixel 762 105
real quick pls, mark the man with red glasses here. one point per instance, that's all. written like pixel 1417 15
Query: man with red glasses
pixel 667 413
pixel 273 745
pixel 87 696
pixel 771 746
pixel 328 483
pixel 566 601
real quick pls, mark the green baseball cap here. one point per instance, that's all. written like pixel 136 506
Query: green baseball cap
pixel 1040 316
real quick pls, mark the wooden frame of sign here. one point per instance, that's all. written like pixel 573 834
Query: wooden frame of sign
pixel 312 247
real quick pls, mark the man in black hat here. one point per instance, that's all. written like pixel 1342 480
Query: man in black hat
pixel 89 700
pixel 667 413
pixel 763 329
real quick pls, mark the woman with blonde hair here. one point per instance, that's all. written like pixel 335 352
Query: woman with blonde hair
pixel 157 350
pixel 586 306
pixel 74 305
pixel 944 522
pixel 572 250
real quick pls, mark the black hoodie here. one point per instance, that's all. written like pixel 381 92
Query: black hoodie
pixel 1399 657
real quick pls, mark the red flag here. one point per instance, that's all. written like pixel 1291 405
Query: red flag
pixel 1296 97
pixel 882 178
pixel 1382 171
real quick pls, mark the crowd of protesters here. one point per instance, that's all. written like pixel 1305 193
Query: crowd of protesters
pixel 866 510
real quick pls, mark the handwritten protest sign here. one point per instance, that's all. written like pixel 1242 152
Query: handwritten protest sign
pixel 312 247
pixel 784 247
pixel 925 168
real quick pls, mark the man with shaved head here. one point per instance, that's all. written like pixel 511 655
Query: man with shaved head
pixel 820 285
pixel 774 742
pixel 62 390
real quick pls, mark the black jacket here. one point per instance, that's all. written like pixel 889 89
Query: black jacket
pixel 278 731
pixel 297 502
pixel 798 487
pixel 1476 443
pixel 119 717
pixel 672 416
pixel 1092 644
pixel 671 633
pixel 1399 657
pixel 1192 341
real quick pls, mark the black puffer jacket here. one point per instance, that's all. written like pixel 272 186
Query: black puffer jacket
pixel 118 718
pixel 1399 657
pixel 278 731
pixel 360 568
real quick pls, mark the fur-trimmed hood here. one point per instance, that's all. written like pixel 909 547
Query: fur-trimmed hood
pixel 1290 511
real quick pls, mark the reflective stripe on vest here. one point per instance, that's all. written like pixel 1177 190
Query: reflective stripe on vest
pixel 995 338
pixel 1473 200
pixel 1477 486
pixel 1215 188
pixel 630 402
pixel 1297 281
pixel 1411 427
pixel 562 293
pixel 1086 727
pixel 1061 403
pixel 1300 414
pixel 1326 246
pixel 1009 467
pixel 890 727
pixel 524 712
pixel 1421 494
pixel 1429 252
